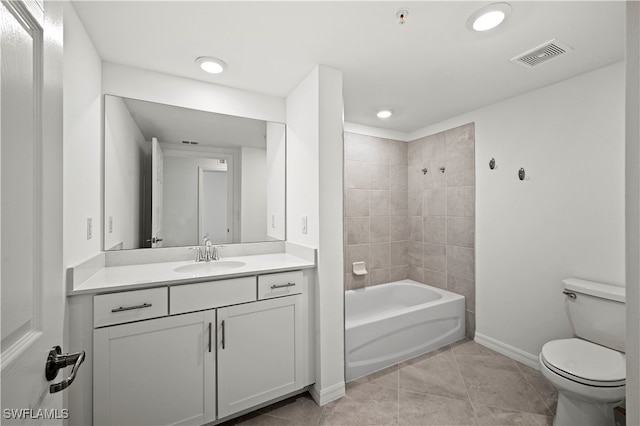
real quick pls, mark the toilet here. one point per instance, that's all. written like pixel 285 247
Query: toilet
pixel 588 370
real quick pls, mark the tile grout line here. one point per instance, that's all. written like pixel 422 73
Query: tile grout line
pixel 473 408
pixel 322 410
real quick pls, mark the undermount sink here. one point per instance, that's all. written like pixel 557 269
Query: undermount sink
pixel 210 267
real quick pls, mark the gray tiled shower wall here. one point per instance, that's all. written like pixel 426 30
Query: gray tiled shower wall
pixel 405 223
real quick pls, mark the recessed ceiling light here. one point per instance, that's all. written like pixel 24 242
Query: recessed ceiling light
pixel 384 113
pixel 211 65
pixel 489 17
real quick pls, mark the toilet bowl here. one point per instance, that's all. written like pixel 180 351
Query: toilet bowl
pixel 590 379
pixel 589 371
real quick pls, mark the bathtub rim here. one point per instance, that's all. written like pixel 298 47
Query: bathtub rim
pixel 446 296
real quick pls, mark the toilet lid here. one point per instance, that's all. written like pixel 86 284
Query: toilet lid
pixel 585 362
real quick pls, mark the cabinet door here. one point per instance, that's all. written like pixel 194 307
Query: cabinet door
pixel 259 352
pixel 156 372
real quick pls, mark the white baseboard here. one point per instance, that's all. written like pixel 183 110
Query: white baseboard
pixel 325 396
pixel 508 350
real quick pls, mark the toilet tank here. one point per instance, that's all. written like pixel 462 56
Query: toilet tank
pixel 597 312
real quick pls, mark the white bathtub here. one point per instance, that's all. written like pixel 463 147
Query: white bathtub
pixel 390 323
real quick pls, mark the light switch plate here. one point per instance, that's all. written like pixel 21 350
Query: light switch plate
pixel 89 228
pixel 304 224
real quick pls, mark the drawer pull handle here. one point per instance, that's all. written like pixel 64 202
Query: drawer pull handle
pixel 275 286
pixel 223 334
pixel 209 337
pixel 130 308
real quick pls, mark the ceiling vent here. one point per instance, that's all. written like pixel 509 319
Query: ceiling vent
pixel 541 54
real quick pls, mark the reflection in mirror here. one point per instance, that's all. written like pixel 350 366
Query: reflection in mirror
pixel 174 175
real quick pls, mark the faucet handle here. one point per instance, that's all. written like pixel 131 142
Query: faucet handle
pixel 216 252
pixel 206 240
pixel 198 250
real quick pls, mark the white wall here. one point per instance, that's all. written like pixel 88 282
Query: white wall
pixel 633 211
pixel 302 161
pixel 330 244
pixel 152 86
pixel 124 165
pixel 314 190
pixel 253 204
pixel 276 152
pixel 82 187
pixel 82 110
pixel 565 220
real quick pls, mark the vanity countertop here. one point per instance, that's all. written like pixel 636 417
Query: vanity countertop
pixel 129 277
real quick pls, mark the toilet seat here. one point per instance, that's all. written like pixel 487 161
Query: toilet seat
pixel 585 362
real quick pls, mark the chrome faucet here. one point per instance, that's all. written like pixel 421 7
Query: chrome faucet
pixel 208 252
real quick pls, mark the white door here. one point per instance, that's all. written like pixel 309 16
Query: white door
pixel 31 273
pixel 157 191
pixel 259 352
pixel 214 209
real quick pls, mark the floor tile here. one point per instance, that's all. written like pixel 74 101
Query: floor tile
pixel 364 404
pixel 264 420
pixel 466 346
pixel 436 374
pixel 544 387
pixel 494 416
pixel 460 384
pixel 424 410
pixel 471 353
pixel 501 388
pixel 301 410
pixel 387 377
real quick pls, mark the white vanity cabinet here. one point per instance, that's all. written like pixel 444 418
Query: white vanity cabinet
pixel 155 372
pixel 259 352
pixel 162 371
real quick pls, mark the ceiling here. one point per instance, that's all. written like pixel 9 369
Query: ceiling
pixel 172 125
pixel 427 70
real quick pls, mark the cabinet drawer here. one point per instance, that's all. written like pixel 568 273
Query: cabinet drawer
pixel 276 285
pixel 197 297
pixel 117 308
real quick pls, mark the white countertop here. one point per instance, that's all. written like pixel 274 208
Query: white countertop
pixel 118 278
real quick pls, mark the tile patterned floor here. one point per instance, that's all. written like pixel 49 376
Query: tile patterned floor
pixel 460 384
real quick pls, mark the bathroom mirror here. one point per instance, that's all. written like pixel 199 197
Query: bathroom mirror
pixel 174 175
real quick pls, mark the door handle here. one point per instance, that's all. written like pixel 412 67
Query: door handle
pixel 55 361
